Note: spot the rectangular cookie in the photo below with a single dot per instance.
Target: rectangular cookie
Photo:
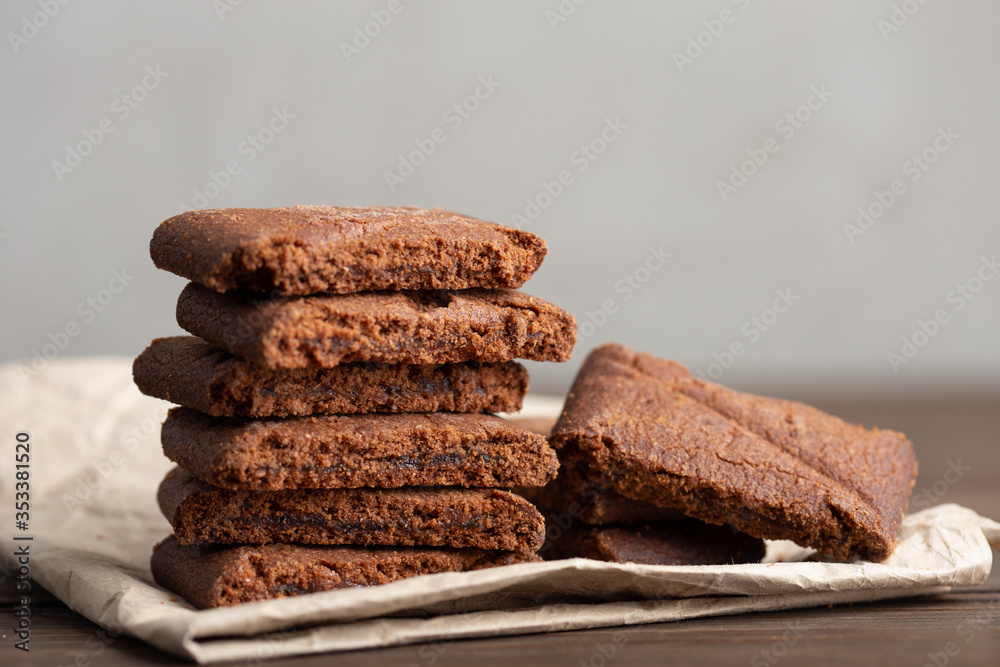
(385, 327)
(353, 451)
(213, 576)
(342, 249)
(686, 542)
(773, 469)
(422, 516)
(195, 374)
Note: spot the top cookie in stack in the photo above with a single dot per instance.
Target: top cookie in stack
(327, 316)
(303, 250)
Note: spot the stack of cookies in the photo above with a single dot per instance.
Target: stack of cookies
(651, 456)
(335, 427)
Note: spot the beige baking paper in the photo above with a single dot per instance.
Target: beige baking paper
(96, 463)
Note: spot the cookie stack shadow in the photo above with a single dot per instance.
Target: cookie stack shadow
(335, 425)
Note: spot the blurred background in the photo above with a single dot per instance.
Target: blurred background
(792, 198)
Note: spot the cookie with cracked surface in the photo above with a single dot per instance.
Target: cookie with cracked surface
(301, 250)
(772, 468)
(424, 327)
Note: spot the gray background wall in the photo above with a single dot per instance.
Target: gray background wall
(886, 94)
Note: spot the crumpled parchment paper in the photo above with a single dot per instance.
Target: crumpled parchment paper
(96, 463)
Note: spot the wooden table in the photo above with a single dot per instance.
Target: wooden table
(911, 632)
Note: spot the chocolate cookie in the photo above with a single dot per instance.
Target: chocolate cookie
(573, 495)
(535, 424)
(687, 542)
(335, 249)
(212, 576)
(772, 468)
(436, 517)
(352, 451)
(193, 373)
(386, 327)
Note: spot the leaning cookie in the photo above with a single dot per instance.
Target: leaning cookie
(426, 516)
(211, 576)
(341, 249)
(648, 430)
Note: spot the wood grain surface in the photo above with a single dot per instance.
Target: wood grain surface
(958, 629)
